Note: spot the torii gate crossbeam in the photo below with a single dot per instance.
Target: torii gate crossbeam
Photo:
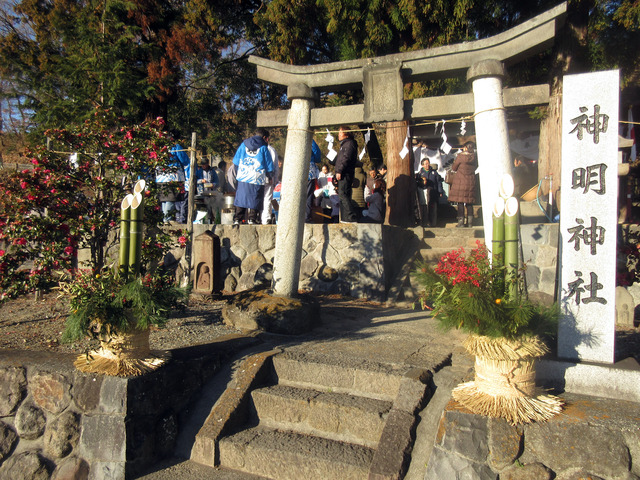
(382, 80)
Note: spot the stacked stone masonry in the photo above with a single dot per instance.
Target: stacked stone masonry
(592, 439)
(357, 260)
(342, 259)
(40, 424)
(58, 423)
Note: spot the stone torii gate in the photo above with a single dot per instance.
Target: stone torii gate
(382, 80)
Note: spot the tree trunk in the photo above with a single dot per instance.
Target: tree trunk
(571, 56)
(400, 184)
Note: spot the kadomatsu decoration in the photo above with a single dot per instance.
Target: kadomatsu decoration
(483, 297)
(117, 305)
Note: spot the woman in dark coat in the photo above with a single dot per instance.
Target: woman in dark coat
(463, 189)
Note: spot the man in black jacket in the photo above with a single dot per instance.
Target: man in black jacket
(345, 167)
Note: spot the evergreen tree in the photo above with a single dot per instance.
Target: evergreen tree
(141, 58)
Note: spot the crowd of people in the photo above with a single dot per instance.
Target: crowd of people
(337, 191)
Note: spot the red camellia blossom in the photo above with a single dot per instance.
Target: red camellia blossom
(182, 240)
(59, 205)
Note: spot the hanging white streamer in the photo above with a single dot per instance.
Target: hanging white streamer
(445, 147)
(329, 138)
(367, 137)
(331, 154)
(463, 127)
(405, 148)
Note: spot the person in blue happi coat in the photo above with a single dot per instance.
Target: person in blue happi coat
(316, 156)
(254, 165)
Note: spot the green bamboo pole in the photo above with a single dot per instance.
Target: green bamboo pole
(125, 216)
(497, 248)
(135, 235)
(511, 245)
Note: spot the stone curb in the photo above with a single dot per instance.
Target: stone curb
(392, 457)
(231, 409)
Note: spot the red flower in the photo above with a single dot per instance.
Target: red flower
(68, 250)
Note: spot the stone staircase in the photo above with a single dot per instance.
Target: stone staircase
(431, 243)
(438, 241)
(318, 417)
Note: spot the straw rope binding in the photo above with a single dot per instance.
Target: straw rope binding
(123, 355)
(504, 385)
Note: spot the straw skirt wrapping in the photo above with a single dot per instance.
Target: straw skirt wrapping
(504, 385)
(122, 354)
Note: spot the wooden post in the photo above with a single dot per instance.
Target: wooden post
(192, 183)
(190, 208)
(400, 184)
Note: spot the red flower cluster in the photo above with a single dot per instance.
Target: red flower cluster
(458, 268)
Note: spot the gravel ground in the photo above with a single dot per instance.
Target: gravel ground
(27, 324)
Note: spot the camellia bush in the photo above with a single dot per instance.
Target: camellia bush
(70, 199)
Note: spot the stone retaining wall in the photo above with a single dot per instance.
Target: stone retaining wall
(58, 423)
(359, 260)
(540, 255)
(592, 438)
(342, 259)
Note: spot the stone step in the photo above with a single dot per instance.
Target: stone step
(340, 375)
(331, 415)
(450, 230)
(292, 456)
(432, 255)
(451, 243)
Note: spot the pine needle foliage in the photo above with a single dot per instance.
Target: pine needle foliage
(465, 292)
(103, 303)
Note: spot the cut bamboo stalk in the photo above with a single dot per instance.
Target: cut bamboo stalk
(511, 245)
(497, 251)
(135, 234)
(125, 217)
(506, 186)
(139, 187)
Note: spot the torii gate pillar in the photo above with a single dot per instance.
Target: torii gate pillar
(290, 231)
(492, 139)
